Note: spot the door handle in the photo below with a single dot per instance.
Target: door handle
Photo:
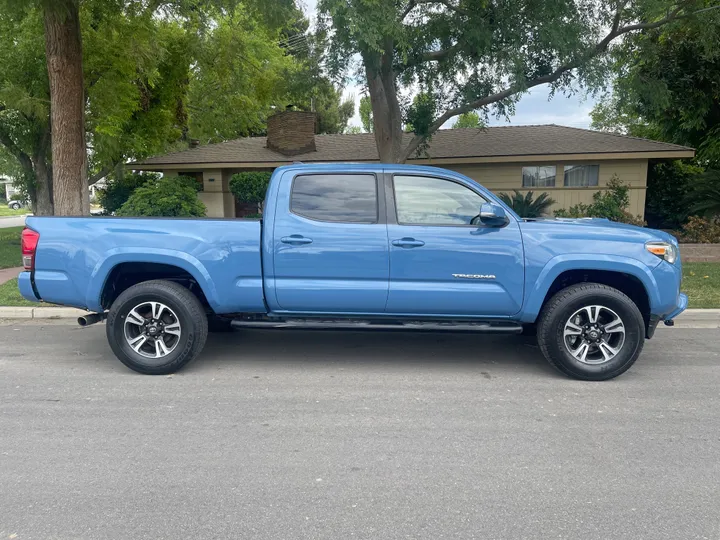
(296, 240)
(408, 243)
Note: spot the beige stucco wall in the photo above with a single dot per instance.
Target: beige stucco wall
(499, 177)
(504, 177)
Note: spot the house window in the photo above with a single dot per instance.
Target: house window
(539, 176)
(581, 175)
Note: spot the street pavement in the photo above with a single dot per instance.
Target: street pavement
(12, 221)
(342, 435)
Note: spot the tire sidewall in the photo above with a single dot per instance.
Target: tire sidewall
(137, 362)
(634, 334)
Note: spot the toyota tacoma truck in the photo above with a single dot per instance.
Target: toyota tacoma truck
(363, 247)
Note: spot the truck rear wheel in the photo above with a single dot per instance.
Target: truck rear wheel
(591, 332)
(156, 327)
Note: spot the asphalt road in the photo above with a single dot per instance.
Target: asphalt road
(13, 221)
(311, 435)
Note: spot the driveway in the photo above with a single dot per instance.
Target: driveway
(341, 435)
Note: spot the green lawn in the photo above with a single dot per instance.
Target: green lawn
(5, 211)
(10, 296)
(10, 256)
(701, 282)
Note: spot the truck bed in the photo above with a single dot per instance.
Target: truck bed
(222, 256)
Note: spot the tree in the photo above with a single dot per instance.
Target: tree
(148, 69)
(366, 114)
(471, 55)
(468, 120)
(63, 52)
(666, 86)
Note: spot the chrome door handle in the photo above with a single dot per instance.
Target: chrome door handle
(408, 243)
(295, 240)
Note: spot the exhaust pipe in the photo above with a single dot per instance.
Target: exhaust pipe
(91, 318)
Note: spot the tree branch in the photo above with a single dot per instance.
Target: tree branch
(12, 147)
(448, 5)
(599, 48)
(411, 5)
(102, 173)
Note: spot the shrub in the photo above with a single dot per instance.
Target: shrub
(168, 197)
(703, 197)
(611, 203)
(668, 187)
(526, 206)
(250, 187)
(118, 190)
(699, 230)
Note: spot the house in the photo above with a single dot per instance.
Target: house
(570, 164)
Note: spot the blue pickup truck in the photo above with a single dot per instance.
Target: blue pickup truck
(362, 246)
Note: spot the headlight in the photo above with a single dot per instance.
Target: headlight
(663, 250)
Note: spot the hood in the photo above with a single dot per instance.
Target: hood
(604, 223)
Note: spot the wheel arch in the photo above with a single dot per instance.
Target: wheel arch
(120, 271)
(631, 277)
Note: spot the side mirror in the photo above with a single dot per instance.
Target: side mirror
(492, 214)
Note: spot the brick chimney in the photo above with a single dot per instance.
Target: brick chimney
(291, 132)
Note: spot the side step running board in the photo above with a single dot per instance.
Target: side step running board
(307, 324)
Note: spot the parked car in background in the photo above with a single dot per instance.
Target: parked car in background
(362, 246)
(17, 205)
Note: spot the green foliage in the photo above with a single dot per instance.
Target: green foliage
(666, 86)
(168, 197)
(250, 187)
(118, 190)
(353, 130)
(366, 114)
(611, 203)
(669, 184)
(468, 120)
(474, 55)
(700, 230)
(527, 206)
(704, 195)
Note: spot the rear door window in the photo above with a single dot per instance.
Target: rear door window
(343, 198)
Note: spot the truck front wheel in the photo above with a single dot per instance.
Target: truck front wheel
(590, 331)
(156, 327)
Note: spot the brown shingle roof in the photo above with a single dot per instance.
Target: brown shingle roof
(447, 143)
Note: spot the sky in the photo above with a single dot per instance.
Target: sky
(533, 108)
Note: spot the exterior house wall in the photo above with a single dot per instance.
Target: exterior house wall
(504, 177)
(498, 177)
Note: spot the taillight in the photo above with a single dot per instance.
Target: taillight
(29, 244)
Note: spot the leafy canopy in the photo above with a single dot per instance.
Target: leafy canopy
(250, 187)
(667, 86)
(476, 55)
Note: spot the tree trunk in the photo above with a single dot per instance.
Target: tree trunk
(43, 187)
(67, 115)
(387, 118)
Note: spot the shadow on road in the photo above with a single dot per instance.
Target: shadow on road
(395, 348)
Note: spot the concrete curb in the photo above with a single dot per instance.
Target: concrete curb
(691, 318)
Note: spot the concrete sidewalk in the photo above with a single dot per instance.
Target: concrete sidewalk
(6, 274)
(691, 318)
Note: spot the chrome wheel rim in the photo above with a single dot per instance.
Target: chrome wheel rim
(152, 329)
(594, 335)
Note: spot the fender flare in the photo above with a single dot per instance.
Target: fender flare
(114, 257)
(536, 292)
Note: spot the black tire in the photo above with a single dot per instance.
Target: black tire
(561, 308)
(15, 206)
(219, 325)
(190, 315)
